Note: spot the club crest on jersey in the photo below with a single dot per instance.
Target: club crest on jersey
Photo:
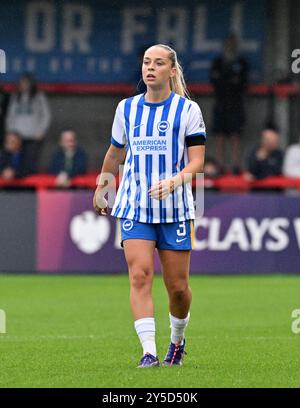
(127, 225)
(163, 126)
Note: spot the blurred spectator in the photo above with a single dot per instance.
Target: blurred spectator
(291, 166)
(29, 115)
(12, 159)
(211, 168)
(228, 75)
(69, 160)
(266, 159)
(4, 98)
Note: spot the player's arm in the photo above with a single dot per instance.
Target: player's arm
(196, 155)
(114, 157)
(195, 143)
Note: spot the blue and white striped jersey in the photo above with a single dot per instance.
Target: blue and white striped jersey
(155, 138)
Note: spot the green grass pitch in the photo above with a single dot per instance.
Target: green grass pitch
(77, 331)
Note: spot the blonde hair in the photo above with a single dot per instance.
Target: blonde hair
(177, 83)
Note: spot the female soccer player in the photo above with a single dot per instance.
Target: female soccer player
(162, 135)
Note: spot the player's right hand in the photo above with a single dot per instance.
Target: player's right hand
(100, 203)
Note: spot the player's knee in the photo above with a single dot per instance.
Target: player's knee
(140, 278)
(179, 291)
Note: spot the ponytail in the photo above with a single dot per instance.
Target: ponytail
(177, 83)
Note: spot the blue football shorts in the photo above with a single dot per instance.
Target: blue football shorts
(177, 236)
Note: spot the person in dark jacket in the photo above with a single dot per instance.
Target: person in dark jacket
(4, 100)
(12, 158)
(266, 159)
(229, 77)
(69, 160)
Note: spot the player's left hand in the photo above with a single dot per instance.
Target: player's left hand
(162, 189)
(100, 203)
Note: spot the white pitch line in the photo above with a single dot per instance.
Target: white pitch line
(54, 337)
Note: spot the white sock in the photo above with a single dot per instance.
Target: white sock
(145, 329)
(177, 328)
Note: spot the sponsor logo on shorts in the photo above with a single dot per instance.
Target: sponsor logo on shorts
(127, 225)
(180, 240)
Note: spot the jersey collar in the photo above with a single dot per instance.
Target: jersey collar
(154, 104)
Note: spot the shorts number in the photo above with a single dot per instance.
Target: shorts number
(182, 230)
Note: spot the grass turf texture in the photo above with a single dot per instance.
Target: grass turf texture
(78, 332)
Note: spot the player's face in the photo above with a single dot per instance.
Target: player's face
(157, 68)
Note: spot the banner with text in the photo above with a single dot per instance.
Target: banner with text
(255, 233)
(100, 42)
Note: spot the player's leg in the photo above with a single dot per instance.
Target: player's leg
(139, 257)
(139, 241)
(174, 245)
(175, 269)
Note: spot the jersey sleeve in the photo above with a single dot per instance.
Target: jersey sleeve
(118, 135)
(195, 132)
